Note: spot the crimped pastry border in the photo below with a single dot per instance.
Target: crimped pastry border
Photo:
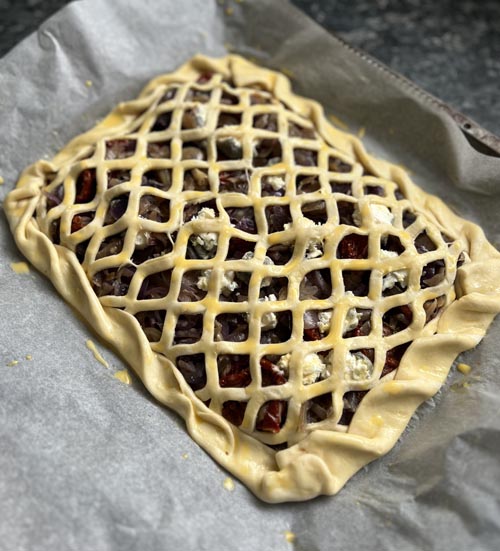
(323, 461)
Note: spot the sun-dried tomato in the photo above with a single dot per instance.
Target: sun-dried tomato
(271, 416)
(353, 246)
(78, 223)
(393, 358)
(271, 374)
(234, 371)
(312, 334)
(407, 313)
(86, 186)
(235, 377)
(234, 411)
(204, 77)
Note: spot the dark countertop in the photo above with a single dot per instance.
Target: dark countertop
(451, 48)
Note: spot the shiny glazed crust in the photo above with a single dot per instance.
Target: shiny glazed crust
(320, 459)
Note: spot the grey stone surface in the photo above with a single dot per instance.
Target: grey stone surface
(451, 47)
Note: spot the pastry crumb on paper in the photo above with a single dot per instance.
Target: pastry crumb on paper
(464, 368)
(97, 355)
(123, 376)
(20, 267)
(228, 484)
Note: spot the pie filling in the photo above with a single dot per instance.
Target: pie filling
(281, 278)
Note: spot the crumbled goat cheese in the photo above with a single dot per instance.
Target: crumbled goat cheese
(398, 276)
(269, 319)
(351, 320)
(283, 363)
(142, 238)
(314, 368)
(358, 366)
(276, 182)
(356, 216)
(314, 249)
(200, 114)
(387, 254)
(390, 279)
(205, 214)
(202, 282)
(324, 321)
(381, 214)
(228, 285)
(206, 240)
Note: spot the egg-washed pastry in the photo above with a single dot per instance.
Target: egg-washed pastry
(292, 297)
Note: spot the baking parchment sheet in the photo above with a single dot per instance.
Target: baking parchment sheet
(87, 462)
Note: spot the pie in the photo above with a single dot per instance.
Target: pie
(292, 297)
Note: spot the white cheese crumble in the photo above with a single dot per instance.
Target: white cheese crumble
(356, 216)
(200, 114)
(387, 254)
(142, 238)
(206, 240)
(269, 319)
(398, 276)
(381, 214)
(283, 363)
(276, 182)
(390, 279)
(324, 321)
(202, 282)
(314, 249)
(205, 214)
(228, 285)
(314, 368)
(351, 320)
(358, 366)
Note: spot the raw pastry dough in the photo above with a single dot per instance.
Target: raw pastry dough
(292, 297)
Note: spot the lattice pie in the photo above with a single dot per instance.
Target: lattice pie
(293, 298)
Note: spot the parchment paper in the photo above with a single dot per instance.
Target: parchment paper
(89, 463)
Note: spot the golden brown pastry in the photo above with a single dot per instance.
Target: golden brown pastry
(292, 297)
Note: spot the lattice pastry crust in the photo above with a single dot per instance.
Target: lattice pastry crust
(258, 269)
